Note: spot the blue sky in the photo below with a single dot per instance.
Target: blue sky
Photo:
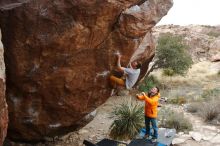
(185, 12)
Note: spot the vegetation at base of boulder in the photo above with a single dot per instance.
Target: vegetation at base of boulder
(128, 120)
(171, 54)
(177, 100)
(168, 72)
(171, 119)
(148, 83)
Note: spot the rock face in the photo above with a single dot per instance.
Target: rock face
(59, 54)
(203, 41)
(3, 105)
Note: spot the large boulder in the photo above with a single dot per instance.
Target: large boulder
(59, 55)
(3, 105)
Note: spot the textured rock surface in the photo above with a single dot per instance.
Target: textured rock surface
(59, 54)
(203, 41)
(10, 4)
(3, 105)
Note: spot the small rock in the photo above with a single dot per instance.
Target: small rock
(83, 131)
(186, 136)
(212, 128)
(196, 136)
(208, 135)
(216, 139)
(178, 141)
(123, 92)
(180, 133)
(90, 139)
(81, 138)
(92, 136)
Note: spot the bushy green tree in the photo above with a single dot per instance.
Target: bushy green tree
(171, 53)
(148, 83)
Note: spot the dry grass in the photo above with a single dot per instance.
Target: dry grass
(213, 34)
(209, 107)
(210, 111)
(199, 74)
(171, 119)
(194, 107)
(178, 100)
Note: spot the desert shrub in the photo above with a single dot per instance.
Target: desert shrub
(210, 110)
(213, 33)
(194, 107)
(128, 120)
(148, 83)
(213, 93)
(218, 73)
(177, 100)
(168, 72)
(171, 119)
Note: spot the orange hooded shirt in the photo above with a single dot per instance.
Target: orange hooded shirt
(151, 104)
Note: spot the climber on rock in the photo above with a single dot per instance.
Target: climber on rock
(131, 74)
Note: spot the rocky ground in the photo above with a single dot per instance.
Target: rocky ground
(203, 134)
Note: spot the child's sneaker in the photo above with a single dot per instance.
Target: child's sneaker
(154, 140)
(148, 137)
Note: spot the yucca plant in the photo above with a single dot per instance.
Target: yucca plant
(128, 120)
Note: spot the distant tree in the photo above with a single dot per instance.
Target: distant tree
(171, 55)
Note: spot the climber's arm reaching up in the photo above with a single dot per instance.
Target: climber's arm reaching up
(119, 63)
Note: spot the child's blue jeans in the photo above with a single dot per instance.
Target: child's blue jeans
(153, 122)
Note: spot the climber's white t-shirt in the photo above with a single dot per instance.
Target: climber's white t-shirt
(132, 77)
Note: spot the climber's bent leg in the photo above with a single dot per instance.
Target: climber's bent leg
(116, 81)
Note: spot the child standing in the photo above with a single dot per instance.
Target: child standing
(151, 103)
